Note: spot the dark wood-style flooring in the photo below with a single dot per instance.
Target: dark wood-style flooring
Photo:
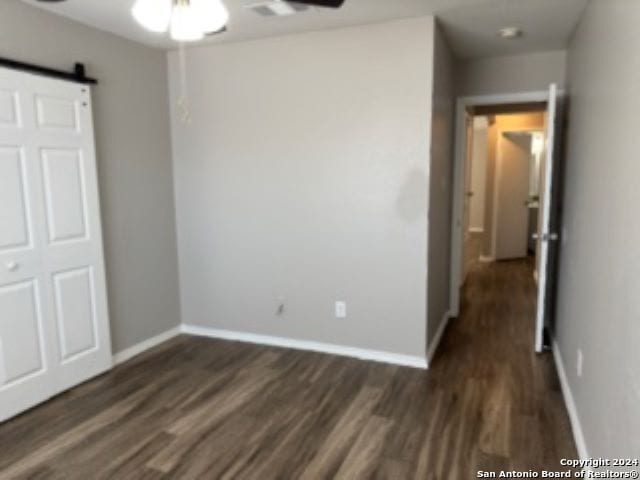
(197, 408)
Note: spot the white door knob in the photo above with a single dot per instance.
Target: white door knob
(12, 266)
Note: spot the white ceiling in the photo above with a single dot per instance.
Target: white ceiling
(470, 25)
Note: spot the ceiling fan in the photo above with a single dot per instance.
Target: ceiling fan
(191, 20)
(317, 3)
(322, 3)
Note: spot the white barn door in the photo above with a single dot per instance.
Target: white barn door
(54, 328)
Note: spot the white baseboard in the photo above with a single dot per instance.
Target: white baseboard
(476, 230)
(363, 354)
(486, 259)
(433, 346)
(576, 427)
(141, 347)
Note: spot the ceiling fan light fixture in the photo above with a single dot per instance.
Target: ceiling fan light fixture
(213, 15)
(186, 20)
(186, 24)
(154, 15)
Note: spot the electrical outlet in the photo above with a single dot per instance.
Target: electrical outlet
(341, 309)
(579, 364)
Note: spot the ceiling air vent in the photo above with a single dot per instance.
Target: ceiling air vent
(276, 8)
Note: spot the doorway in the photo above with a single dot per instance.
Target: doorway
(504, 194)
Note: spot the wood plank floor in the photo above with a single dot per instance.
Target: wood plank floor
(197, 408)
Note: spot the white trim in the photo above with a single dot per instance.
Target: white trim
(476, 229)
(457, 235)
(433, 346)
(363, 354)
(535, 276)
(486, 259)
(576, 427)
(145, 345)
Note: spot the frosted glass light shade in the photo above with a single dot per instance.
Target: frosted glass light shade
(154, 15)
(186, 24)
(187, 20)
(213, 14)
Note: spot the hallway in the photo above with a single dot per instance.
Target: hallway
(513, 394)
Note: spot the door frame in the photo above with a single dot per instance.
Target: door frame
(463, 104)
(496, 183)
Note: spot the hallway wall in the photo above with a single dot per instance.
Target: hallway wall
(598, 307)
(440, 181)
(512, 73)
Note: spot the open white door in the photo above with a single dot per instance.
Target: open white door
(54, 329)
(549, 222)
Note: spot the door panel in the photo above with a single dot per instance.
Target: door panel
(16, 231)
(75, 312)
(57, 114)
(21, 331)
(65, 197)
(9, 108)
(25, 370)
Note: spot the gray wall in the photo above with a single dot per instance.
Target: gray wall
(599, 307)
(440, 180)
(513, 73)
(134, 160)
(304, 175)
